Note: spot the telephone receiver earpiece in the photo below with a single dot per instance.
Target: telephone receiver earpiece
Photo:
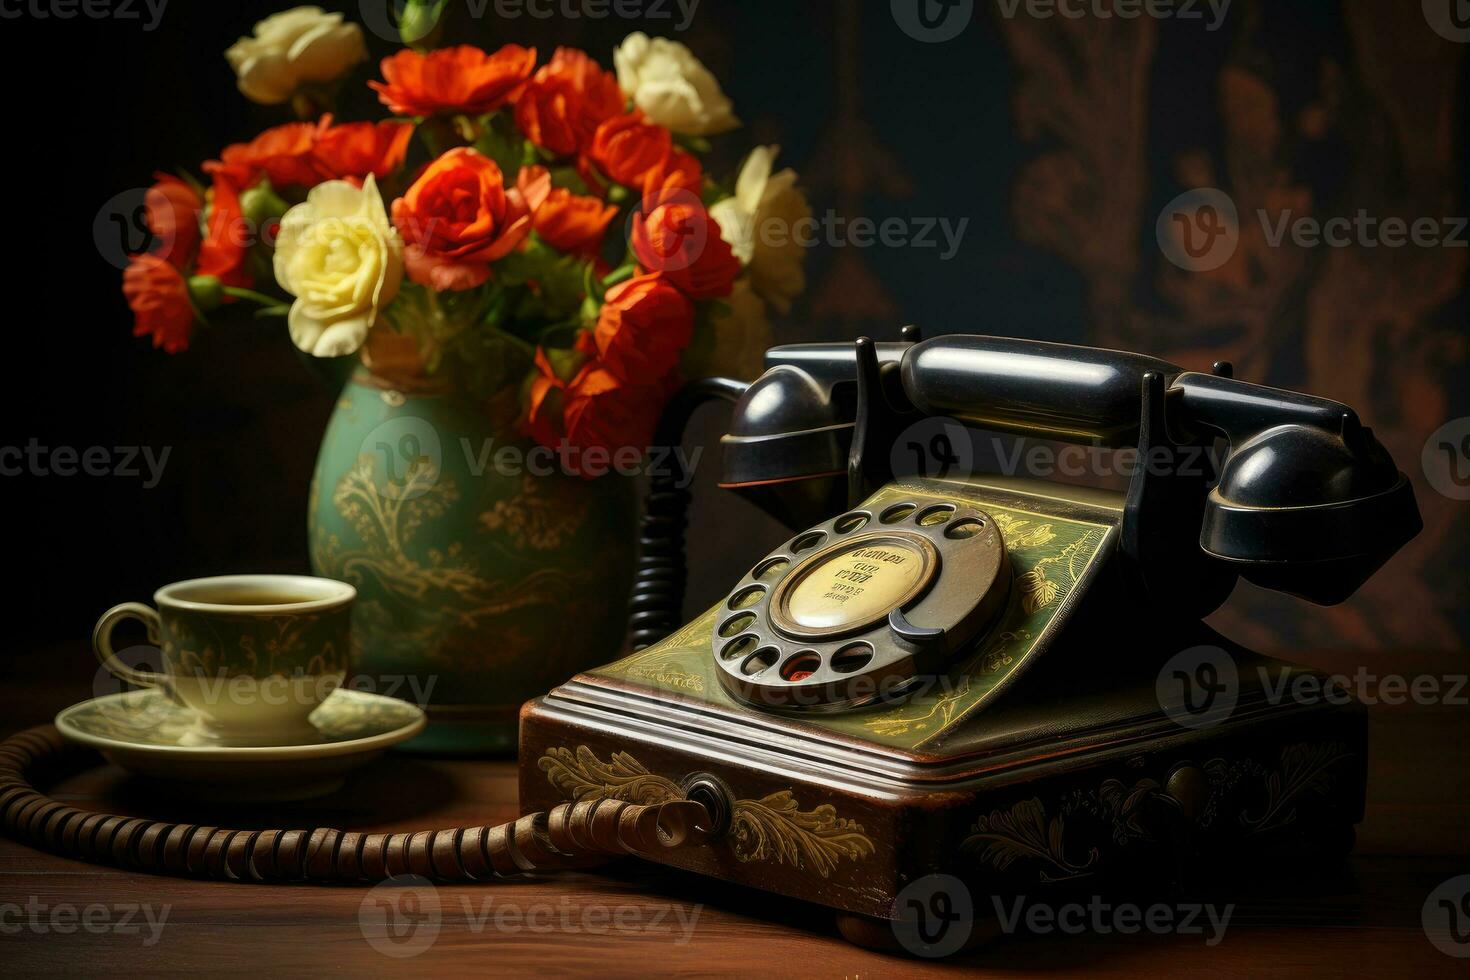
(1307, 501)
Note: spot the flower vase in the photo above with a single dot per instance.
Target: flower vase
(485, 575)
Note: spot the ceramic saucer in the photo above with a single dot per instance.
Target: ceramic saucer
(146, 733)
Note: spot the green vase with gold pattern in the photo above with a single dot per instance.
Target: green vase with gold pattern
(485, 575)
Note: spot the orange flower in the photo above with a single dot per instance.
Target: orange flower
(227, 237)
(159, 298)
(672, 233)
(679, 170)
(627, 147)
(643, 327)
(457, 218)
(459, 79)
(172, 210)
(282, 153)
(595, 418)
(570, 222)
(565, 101)
(354, 150)
(305, 154)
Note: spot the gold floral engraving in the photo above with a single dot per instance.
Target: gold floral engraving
(1037, 590)
(773, 828)
(1025, 832)
(387, 522)
(1022, 534)
(1305, 769)
(545, 515)
(938, 713)
(1115, 813)
(660, 665)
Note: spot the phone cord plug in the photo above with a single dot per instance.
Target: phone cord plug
(570, 835)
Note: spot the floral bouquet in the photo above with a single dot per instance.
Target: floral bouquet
(544, 231)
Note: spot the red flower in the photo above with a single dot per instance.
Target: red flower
(159, 298)
(227, 237)
(354, 150)
(628, 147)
(677, 171)
(457, 218)
(565, 101)
(459, 79)
(570, 222)
(172, 209)
(643, 327)
(595, 419)
(673, 233)
(281, 153)
(305, 154)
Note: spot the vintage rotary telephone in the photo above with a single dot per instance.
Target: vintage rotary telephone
(976, 675)
(1002, 680)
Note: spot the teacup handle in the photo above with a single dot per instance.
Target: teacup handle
(102, 642)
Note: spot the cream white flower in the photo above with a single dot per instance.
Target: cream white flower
(764, 224)
(671, 86)
(343, 261)
(304, 44)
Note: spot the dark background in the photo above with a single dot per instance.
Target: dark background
(1059, 141)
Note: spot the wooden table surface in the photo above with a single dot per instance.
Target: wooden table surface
(632, 919)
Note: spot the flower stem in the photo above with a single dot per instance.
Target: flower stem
(240, 292)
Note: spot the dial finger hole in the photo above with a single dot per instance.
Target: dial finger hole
(738, 647)
(965, 528)
(747, 597)
(758, 661)
(934, 516)
(737, 624)
(808, 541)
(848, 523)
(770, 568)
(854, 656)
(800, 666)
(897, 513)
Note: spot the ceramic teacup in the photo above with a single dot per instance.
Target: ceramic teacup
(251, 655)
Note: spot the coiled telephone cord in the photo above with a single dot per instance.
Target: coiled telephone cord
(571, 835)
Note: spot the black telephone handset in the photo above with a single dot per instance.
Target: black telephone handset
(1307, 501)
